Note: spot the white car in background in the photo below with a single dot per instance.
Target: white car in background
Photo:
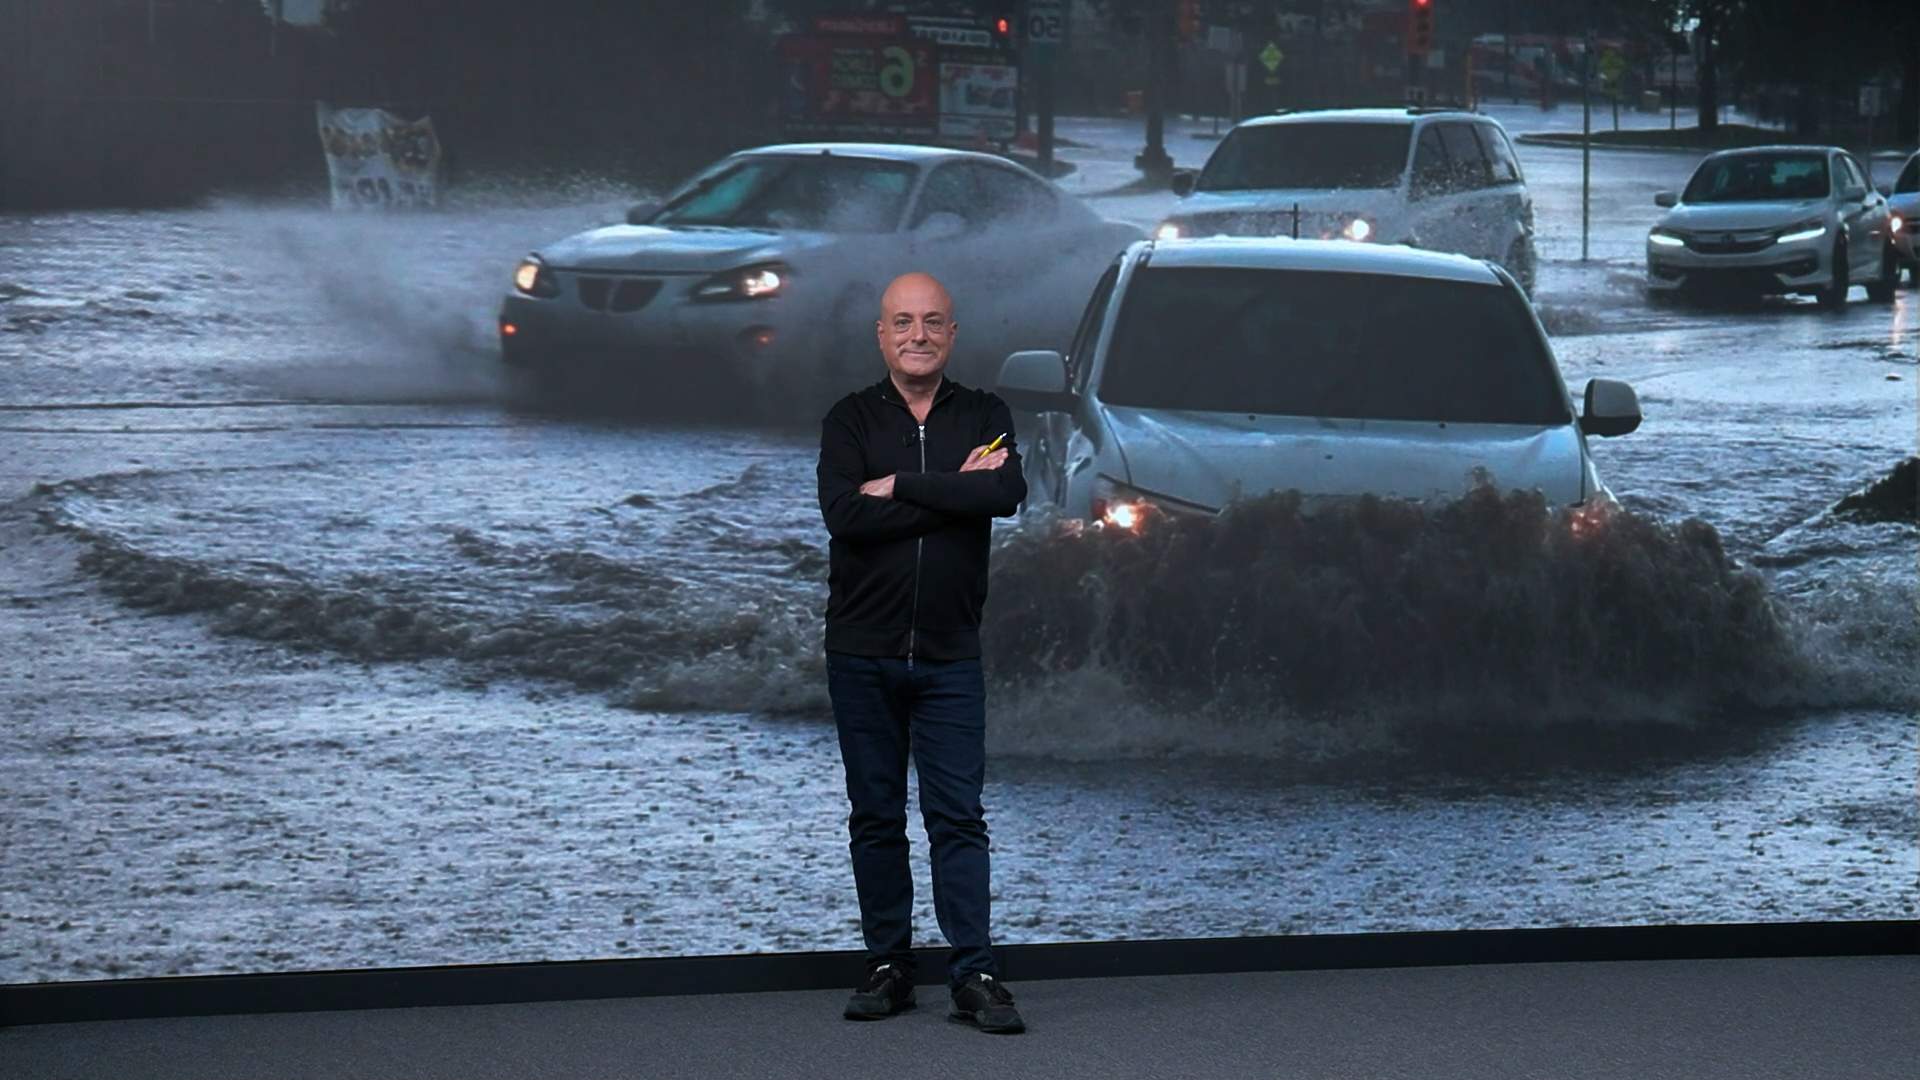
(1903, 200)
(764, 273)
(1204, 370)
(1440, 179)
(1774, 220)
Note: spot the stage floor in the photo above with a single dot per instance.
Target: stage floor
(1851, 1018)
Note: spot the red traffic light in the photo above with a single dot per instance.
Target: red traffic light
(1003, 26)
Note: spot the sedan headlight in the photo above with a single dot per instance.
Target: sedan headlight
(1358, 229)
(1167, 231)
(1664, 237)
(747, 283)
(533, 278)
(1120, 506)
(1810, 229)
(1897, 223)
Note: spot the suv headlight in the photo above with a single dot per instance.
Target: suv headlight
(747, 283)
(1358, 229)
(533, 278)
(1810, 229)
(1662, 236)
(1168, 230)
(1120, 506)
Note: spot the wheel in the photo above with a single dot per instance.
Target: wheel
(1880, 289)
(1520, 263)
(1835, 294)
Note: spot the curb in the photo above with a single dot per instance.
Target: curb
(1574, 142)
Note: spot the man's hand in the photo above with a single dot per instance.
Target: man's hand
(981, 458)
(880, 489)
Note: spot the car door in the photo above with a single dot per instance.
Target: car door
(1054, 431)
(1510, 208)
(1041, 259)
(1004, 266)
(1470, 179)
(1438, 208)
(1865, 212)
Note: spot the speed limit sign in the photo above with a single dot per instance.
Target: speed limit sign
(1046, 22)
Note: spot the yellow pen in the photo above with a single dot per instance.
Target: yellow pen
(995, 444)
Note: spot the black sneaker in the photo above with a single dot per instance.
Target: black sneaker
(981, 1000)
(888, 990)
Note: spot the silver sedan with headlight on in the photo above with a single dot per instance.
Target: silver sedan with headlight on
(1774, 220)
(1206, 370)
(763, 273)
(1903, 199)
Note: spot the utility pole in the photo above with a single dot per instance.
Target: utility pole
(1153, 160)
(1673, 90)
(1506, 46)
(1586, 137)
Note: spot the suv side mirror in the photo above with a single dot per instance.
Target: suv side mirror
(1036, 381)
(1665, 198)
(640, 212)
(1183, 182)
(1611, 408)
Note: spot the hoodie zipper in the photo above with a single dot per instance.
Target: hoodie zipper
(919, 544)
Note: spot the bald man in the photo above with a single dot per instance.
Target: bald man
(912, 471)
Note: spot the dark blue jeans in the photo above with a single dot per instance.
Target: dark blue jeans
(937, 710)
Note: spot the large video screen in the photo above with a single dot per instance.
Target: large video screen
(414, 550)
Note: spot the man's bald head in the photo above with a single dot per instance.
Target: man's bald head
(918, 292)
(916, 327)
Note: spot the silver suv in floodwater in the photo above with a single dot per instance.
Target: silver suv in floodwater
(1440, 179)
(1775, 220)
(1204, 370)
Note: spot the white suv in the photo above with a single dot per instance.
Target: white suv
(1442, 179)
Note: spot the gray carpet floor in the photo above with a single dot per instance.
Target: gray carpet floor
(1808, 1019)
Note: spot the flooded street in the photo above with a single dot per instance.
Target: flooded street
(325, 652)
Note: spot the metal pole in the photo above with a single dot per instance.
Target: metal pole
(1045, 72)
(1586, 143)
(1506, 48)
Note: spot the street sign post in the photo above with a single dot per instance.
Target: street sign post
(1043, 30)
(1270, 58)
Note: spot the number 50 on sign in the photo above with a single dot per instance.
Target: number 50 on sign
(1046, 22)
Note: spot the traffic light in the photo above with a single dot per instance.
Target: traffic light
(1419, 27)
(1001, 23)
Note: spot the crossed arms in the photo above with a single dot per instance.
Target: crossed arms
(907, 505)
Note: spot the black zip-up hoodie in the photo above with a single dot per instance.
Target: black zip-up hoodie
(908, 575)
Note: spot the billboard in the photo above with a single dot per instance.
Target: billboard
(379, 161)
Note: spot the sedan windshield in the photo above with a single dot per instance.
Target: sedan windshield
(1308, 156)
(1356, 346)
(828, 194)
(1758, 178)
(1909, 177)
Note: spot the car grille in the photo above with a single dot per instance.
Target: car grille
(618, 296)
(1730, 243)
(1266, 223)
